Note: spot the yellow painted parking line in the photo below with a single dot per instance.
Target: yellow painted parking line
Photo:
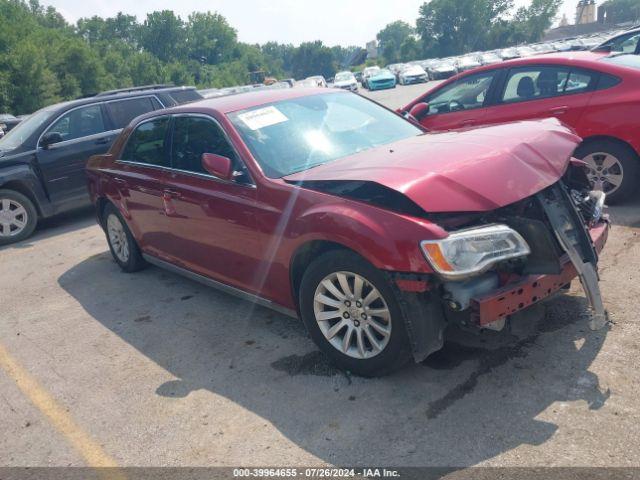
(92, 453)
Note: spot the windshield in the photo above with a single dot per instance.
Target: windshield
(25, 129)
(298, 134)
(343, 77)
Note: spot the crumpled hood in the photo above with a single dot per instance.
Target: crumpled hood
(471, 170)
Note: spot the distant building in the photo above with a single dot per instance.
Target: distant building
(372, 49)
(585, 12)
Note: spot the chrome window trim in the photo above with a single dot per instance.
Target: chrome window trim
(51, 124)
(170, 169)
(95, 136)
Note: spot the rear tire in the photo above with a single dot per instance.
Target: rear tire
(123, 247)
(358, 325)
(18, 217)
(612, 162)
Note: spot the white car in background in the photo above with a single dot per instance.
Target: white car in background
(318, 79)
(412, 74)
(346, 81)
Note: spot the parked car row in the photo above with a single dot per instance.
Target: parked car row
(443, 68)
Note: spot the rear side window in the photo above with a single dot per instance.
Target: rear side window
(147, 143)
(123, 111)
(184, 96)
(607, 81)
(532, 83)
(193, 136)
(78, 123)
(579, 81)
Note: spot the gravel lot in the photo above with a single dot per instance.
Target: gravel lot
(153, 369)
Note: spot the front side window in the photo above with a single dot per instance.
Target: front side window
(78, 123)
(193, 136)
(465, 94)
(147, 143)
(297, 134)
(123, 111)
(533, 83)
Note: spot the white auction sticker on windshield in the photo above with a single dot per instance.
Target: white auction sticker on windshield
(262, 117)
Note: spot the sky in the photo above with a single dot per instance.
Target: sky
(335, 22)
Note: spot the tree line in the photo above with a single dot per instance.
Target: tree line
(44, 59)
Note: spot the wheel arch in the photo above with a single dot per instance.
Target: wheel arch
(303, 257)
(607, 138)
(21, 187)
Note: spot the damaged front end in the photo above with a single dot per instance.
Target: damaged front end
(555, 236)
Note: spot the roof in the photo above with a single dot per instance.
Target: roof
(108, 96)
(241, 101)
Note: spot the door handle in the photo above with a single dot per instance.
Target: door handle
(120, 181)
(559, 110)
(103, 141)
(468, 123)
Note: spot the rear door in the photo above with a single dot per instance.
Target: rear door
(85, 132)
(543, 91)
(139, 179)
(460, 104)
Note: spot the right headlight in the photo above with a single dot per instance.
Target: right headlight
(469, 252)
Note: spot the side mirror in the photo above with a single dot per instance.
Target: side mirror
(217, 165)
(419, 110)
(50, 138)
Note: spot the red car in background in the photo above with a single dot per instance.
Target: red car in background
(596, 94)
(328, 206)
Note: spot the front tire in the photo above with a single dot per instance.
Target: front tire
(123, 247)
(18, 217)
(352, 315)
(613, 168)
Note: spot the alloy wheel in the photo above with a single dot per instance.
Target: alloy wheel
(118, 238)
(13, 218)
(352, 315)
(605, 171)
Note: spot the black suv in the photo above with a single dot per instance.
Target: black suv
(42, 160)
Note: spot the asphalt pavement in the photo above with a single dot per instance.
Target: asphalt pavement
(101, 368)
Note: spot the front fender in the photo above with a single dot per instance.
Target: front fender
(29, 183)
(388, 240)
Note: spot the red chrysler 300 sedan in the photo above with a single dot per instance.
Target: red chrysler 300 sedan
(596, 94)
(325, 205)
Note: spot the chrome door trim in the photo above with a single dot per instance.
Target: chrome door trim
(220, 286)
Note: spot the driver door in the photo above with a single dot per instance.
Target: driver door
(459, 104)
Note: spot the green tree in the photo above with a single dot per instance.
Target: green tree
(32, 83)
(391, 38)
(452, 27)
(618, 11)
(313, 58)
(163, 35)
(410, 49)
(210, 38)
